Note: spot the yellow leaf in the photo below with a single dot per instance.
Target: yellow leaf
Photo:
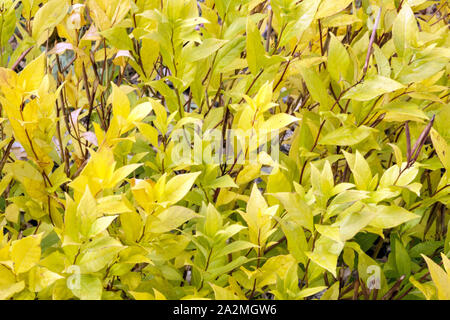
(440, 279)
(311, 291)
(87, 211)
(47, 17)
(120, 174)
(31, 77)
(12, 213)
(120, 102)
(131, 224)
(159, 295)
(328, 8)
(278, 121)
(397, 153)
(25, 253)
(223, 293)
(141, 295)
(442, 148)
(332, 293)
(8, 291)
(372, 87)
(277, 265)
(326, 253)
(427, 290)
(405, 31)
(40, 278)
(248, 173)
(391, 216)
(140, 112)
(170, 219)
(177, 187)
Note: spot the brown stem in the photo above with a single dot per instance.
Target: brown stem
(6, 154)
(21, 57)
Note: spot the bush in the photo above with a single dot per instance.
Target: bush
(224, 149)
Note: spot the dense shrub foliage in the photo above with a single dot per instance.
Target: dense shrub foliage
(134, 163)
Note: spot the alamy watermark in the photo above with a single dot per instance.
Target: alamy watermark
(374, 280)
(74, 280)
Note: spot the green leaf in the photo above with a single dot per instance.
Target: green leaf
(405, 31)
(372, 87)
(427, 248)
(310, 291)
(360, 169)
(401, 111)
(296, 239)
(255, 48)
(346, 136)
(442, 148)
(306, 12)
(222, 182)
(8, 23)
(402, 259)
(326, 253)
(89, 288)
(118, 38)
(228, 57)
(213, 221)
(383, 66)
(391, 216)
(339, 65)
(234, 247)
(329, 8)
(236, 263)
(204, 50)
(131, 224)
(99, 254)
(316, 87)
(421, 69)
(171, 218)
(47, 17)
(298, 210)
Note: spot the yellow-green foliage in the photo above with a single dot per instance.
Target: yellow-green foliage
(99, 97)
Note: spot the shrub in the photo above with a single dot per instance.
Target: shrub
(224, 149)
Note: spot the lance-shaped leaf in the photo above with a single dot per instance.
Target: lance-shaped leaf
(171, 219)
(441, 278)
(177, 187)
(405, 31)
(372, 87)
(391, 216)
(442, 148)
(346, 136)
